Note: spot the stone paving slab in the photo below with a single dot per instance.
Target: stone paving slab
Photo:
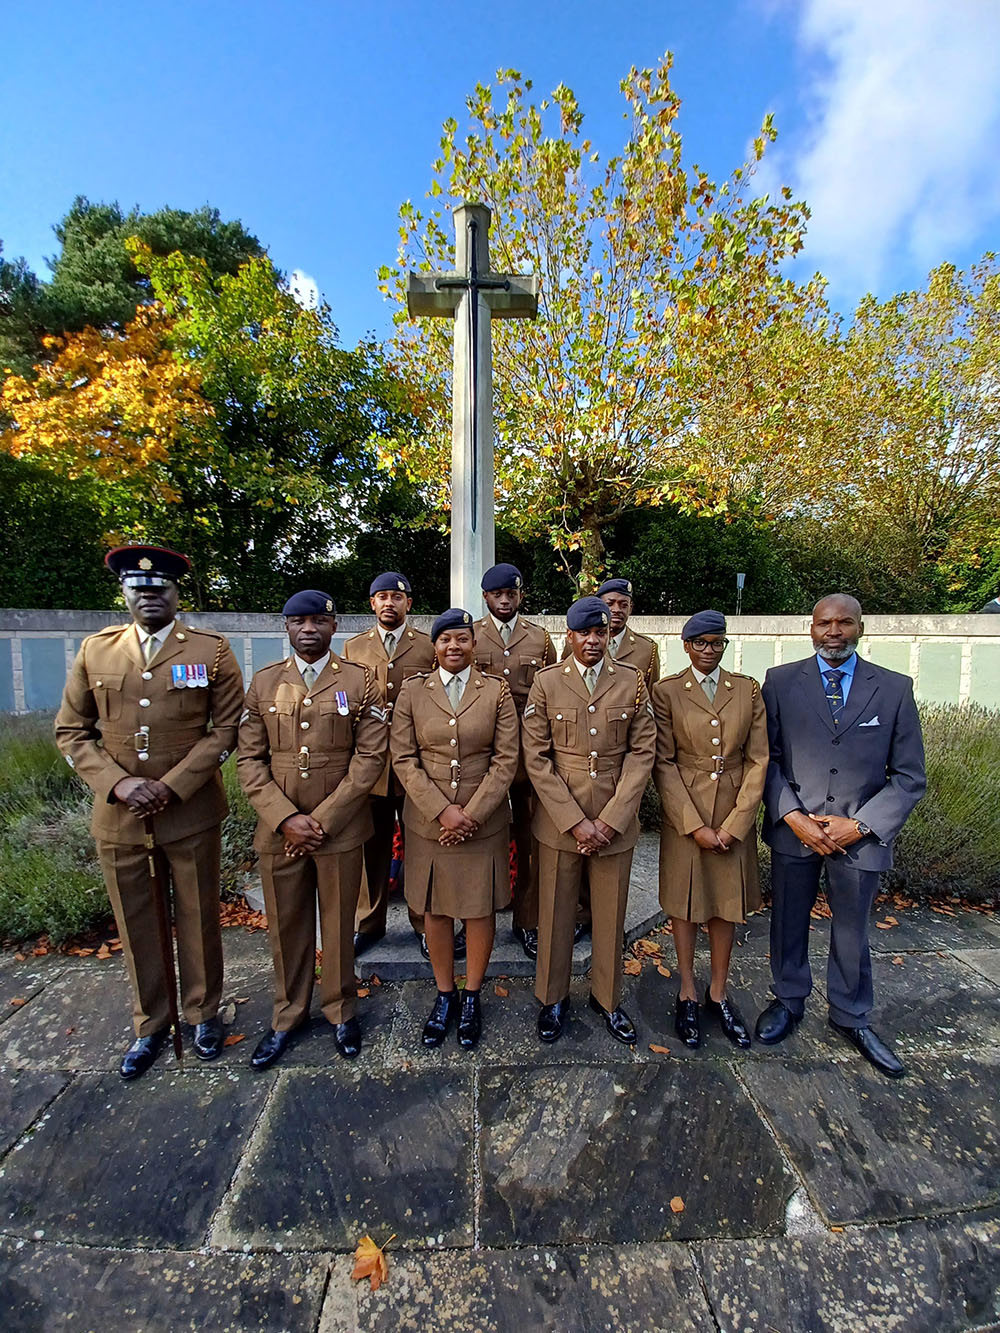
(578, 1154)
(929, 999)
(986, 961)
(622, 1289)
(910, 1279)
(46, 1287)
(80, 1020)
(874, 1149)
(143, 1164)
(21, 982)
(23, 1096)
(337, 1157)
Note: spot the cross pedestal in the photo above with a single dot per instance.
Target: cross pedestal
(472, 296)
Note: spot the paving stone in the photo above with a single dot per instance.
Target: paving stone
(54, 1286)
(986, 961)
(911, 1279)
(928, 999)
(337, 1157)
(639, 1289)
(20, 983)
(142, 1164)
(577, 1154)
(80, 1020)
(23, 1095)
(872, 1149)
(923, 928)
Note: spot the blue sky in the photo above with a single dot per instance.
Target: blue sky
(312, 122)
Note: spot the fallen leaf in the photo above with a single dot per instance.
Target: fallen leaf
(116, 946)
(18, 1000)
(104, 952)
(632, 967)
(659, 1050)
(241, 999)
(836, 1228)
(69, 1032)
(677, 1204)
(375, 982)
(41, 951)
(648, 947)
(363, 992)
(85, 953)
(19, 957)
(892, 921)
(883, 925)
(663, 971)
(370, 1262)
(235, 1038)
(228, 1014)
(502, 991)
(898, 960)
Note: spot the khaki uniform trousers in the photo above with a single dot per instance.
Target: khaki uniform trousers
(190, 866)
(291, 886)
(373, 901)
(559, 876)
(522, 805)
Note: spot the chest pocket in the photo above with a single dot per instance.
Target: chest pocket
(279, 718)
(189, 704)
(562, 724)
(618, 722)
(336, 730)
(107, 688)
(526, 668)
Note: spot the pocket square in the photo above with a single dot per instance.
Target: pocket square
(872, 722)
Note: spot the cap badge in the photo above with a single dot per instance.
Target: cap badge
(329, 604)
(517, 581)
(145, 563)
(466, 618)
(401, 585)
(604, 620)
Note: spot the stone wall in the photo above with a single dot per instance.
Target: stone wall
(952, 659)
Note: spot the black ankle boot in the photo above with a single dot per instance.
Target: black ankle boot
(470, 1022)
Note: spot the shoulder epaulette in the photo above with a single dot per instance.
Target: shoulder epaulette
(552, 666)
(108, 629)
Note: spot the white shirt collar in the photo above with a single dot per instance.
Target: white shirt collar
(463, 675)
(700, 677)
(584, 669)
(399, 631)
(500, 623)
(160, 635)
(316, 666)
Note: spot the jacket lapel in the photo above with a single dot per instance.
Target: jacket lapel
(692, 688)
(471, 692)
(129, 643)
(574, 680)
(328, 678)
(724, 690)
(812, 683)
(604, 681)
(863, 686)
(436, 691)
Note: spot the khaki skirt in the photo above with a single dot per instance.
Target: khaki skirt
(696, 885)
(467, 881)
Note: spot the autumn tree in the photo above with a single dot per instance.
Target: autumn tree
(645, 266)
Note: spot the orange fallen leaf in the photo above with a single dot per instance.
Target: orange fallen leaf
(659, 1050)
(663, 971)
(18, 1000)
(104, 952)
(19, 957)
(648, 947)
(677, 1204)
(375, 982)
(41, 951)
(370, 1262)
(116, 946)
(898, 961)
(892, 921)
(502, 991)
(69, 1032)
(883, 925)
(632, 967)
(235, 1038)
(363, 991)
(836, 1228)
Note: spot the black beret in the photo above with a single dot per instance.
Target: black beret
(390, 581)
(615, 585)
(309, 602)
(704, 622)
(586, 613)
(146, 565)
(502, 576)
(453, 618)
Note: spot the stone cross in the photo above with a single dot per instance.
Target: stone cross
(473, 297)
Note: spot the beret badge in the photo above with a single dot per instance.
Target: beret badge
(145, 563)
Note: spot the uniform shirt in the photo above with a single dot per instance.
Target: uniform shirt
(316, 666)
(713, 676)
(399, 631)
(447, 677)
(846, 680)
(160, 637)
(584, 669)
(511, 624)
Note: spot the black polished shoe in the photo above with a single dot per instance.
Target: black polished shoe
(365, 940)
(775, 1023)
(141, 1054)
(686, 1022)
(730, 1020)
(441, 1016)
(528, 940)
(425, 952)
(551, 1019)
(460, 943)
(347, 1037)
(270, 1048)
(617, 1022)
(208, 1039)
(470, 1021)
(579, 930)
(874, 1049)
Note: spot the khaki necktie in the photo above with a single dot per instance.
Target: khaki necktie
(615, 645)
(505, 632)
(590, 679)
(708, 685)
(309, 675)
(454, 691)
(149, 648)
(390, 645)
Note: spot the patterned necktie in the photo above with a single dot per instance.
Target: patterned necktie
(309, 675)
(834, 694)
(454, 691)
(390, 645)
(505, 633)
(708, 685)
(590, 679)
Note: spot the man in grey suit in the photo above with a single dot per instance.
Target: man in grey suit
(847, 767)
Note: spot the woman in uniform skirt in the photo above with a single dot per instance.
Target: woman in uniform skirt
(454, 744)
(711, 761)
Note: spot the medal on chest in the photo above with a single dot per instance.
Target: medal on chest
(343, 708)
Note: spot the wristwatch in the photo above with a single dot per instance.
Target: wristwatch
(863, 830)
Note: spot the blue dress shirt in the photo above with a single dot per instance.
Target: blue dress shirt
(846, 680)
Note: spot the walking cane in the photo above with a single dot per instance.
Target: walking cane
(166, 940)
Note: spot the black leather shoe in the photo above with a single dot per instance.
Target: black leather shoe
(470, 1021)
(579, 930)
(775, 1023)
(141, 1054)
(460, 943)
(528, 940)
(425, 952)
(551, 1019)
(347, 1037)
(270, 1048)
(874, 1049)
(208, 1039)
(686, 1022)
(730, 1020)
(441, 1016)
(617, 1022)
(365, 940)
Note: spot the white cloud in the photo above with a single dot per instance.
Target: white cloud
(304, 289)
(901, 159)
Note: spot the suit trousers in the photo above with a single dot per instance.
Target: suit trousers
(522, 805)
(373, 903)
(559, 875)
(291, 887)
(190, 867)
(850, 893)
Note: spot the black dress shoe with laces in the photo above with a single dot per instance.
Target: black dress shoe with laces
(617, 1022)
(270, 1048)
(775, 1023)
(874, 1049)
(347, 1037)
(528, 940)
(208, 1039)
(365, 940)
(686, 1023)
(441, 1018)
(141, 1054)
(552, 1019)
(470, 1021)
(730, 1020)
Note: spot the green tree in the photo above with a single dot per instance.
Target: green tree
(20, 322)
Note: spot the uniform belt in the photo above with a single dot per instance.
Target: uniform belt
(163, 736)
(475, 767)
(291, 759)
(587, 764)
(705, 763)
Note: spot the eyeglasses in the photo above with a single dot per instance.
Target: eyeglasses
(703, 645)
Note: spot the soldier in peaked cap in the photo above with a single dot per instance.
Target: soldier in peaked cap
(394, 650)
(513, 648)
(134, 723)
(312, 741)
(624, 644)
(588, 738)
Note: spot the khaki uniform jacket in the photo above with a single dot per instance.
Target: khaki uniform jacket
(413, 655)
(300, 753)
(116, 708)
(588, 756)
(637, 650)
(529, 649)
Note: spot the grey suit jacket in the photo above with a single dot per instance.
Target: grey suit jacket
(870, 766)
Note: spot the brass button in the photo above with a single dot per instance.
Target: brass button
(506, 671)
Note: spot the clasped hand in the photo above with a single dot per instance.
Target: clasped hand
(713, 839)
(591, 835)
(303, 835)
(143, 796)
(828, 835)
(456, 826)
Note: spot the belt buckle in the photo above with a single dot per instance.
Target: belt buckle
(304, 761)
(140, 739)
(456, 774)
(720, 764)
